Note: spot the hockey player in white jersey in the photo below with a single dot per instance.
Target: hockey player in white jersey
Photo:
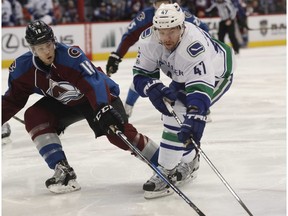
(41, 10)
(201, 69)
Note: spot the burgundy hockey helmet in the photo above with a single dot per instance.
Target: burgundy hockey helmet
(38, 32)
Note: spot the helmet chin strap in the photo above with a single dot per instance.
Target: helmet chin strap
(182, 33)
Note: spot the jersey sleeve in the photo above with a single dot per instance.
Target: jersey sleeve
(142, 21)
(196, 21)
(91, 81)
(18, 90)
(146, 66)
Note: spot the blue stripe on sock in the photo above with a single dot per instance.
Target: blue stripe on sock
(52, 154)
(132, 97)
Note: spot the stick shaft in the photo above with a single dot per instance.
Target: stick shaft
(169, 107)
(152, 166)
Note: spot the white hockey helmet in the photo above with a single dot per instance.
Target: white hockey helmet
(168, 16)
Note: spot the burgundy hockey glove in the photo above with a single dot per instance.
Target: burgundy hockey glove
(113, 63)
(109, 118)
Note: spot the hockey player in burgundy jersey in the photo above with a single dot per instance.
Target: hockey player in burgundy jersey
(142, 21)
(73, 89)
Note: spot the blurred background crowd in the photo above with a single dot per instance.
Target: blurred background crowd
(20, 12)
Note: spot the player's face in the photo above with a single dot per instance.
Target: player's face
(170, 37)
(45, 51)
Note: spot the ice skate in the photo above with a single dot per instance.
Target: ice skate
(186, 172)
(128, 110)
(63, 180)
(155, 187)
(6, 131)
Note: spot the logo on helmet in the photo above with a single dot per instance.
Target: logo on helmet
(38, 32)
(168, 16)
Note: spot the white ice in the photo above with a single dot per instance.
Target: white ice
(246, 142)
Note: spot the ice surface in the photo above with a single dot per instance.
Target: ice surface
(246, 142)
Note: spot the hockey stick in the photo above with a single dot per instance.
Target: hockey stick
(152, 166)
(170, 109)
(18, 119)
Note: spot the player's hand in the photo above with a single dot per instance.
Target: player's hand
(157, 92)
(192, 127)
(113, 63)
(109, 119)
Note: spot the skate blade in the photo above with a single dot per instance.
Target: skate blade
(158, 194)
(60, 189)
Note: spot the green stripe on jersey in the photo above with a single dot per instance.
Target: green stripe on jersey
(170, 136)
(200, 87)
(155, 74)
(218, 90)
(228, 50)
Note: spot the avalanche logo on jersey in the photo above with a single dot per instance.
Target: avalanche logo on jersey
(141, 16)
(187, 14)
(63, 91)
(74, 53)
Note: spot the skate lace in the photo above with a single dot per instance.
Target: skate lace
(188, 168)
(156, 179)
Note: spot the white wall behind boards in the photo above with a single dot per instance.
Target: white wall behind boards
(99, 39)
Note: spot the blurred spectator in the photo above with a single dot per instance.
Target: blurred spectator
(116, 12)
(41, 9)
(281, 6)
(102, 13)
(267, 6)
(197, 7)
(17, 11)
(132, 7)
(7, 15)
(57, 8)
(252, 7)
(66, 11)
(70, 14)
(136, 6)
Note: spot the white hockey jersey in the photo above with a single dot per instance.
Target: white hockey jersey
(40, 9)
(6, 13)
(197, 64)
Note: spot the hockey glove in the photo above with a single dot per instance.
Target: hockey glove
(156, 92)
(192, 127)
(113, 63)
(109, 119)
